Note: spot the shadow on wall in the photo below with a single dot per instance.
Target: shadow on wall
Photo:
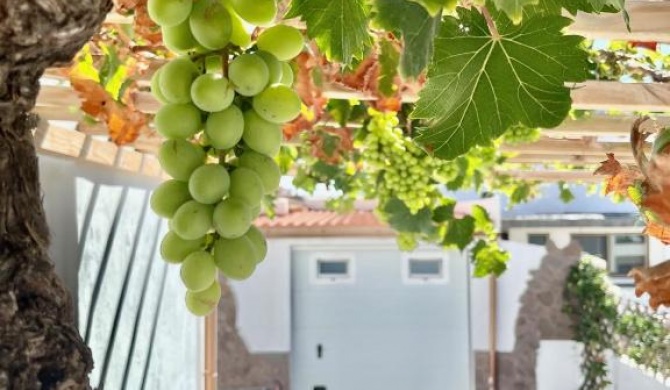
(540, 318)
(238, 369)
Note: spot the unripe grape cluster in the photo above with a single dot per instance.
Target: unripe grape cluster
(221, 116)
(403, 170)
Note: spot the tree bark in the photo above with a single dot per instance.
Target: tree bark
(40, 347)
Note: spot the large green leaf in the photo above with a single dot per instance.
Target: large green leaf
(401, 218)
(459, 232)
(339, 27)
(478, 85)
(418, 30)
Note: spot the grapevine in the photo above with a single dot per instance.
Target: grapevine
(224, 100)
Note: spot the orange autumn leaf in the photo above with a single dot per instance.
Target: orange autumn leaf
(123, 122)
(659, 203)
(620, 177)
(661, 232)
(654, 281)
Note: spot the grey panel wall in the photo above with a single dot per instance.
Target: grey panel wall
(130, 303)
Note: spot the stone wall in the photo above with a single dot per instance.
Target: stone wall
(540, 318)
(237, 367)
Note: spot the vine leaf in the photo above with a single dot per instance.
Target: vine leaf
(654, 281)
(388, 68)
(513, 8)
(478, 86)
(401, 218)
(489, 259)
(418, 29)
(459, 232)
(338, 27)
(435, 6)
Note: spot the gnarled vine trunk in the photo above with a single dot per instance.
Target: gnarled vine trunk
(40, 347)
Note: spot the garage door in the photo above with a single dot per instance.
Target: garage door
(372, 318)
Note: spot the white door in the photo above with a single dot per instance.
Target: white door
(369, 319)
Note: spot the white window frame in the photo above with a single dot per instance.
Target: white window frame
(425, 255)
(347, 257)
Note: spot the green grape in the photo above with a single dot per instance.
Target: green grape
(232, 218)
(274, 66)
(224, 129)
(180, 158)
(192, 220)
(174, 249)
(169, 12)
(249, 74)
(168, 197)
(178, 121)
(176, 78)
(258, 242)
(286, 75)
(277, 104)
(235, 258)
(246, 186)
(211, 24)
(204, 302)
(211, 93)
(260, 135)
(257, 12)
(285, 42)
(179, 38)
(239, 35)
(198, 271)
(209, 183)
(265, 167)
(406, 242)
(156, 88)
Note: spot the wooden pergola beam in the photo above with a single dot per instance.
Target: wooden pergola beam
(529, 158)
(649, 21)
(555, 176)
(569, 148)
(590, 95)
(604, 126)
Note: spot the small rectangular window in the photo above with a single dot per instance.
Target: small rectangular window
(538, 239)
(623, 264)
(595, 245)
(624, 239)
(333, 268)
(330, 268)
(425, 268)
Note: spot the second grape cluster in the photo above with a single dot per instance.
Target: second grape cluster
(222, 110)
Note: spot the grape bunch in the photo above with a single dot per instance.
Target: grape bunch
(224, 99)
(401, 169)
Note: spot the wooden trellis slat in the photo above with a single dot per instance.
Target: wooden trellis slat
(555, 176)
(649, 21)
(590, 95)
(569, 147)
(530, 158)
(604, 126)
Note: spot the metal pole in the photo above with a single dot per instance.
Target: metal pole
(493, 332)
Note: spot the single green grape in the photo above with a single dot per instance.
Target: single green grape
(265, 167)
(211, 24)
(175, 80)
(257, 12)
(246, 186)
(232, 218)
(274, 66)
(201, 303)
(286, 75)
(192, 220)
(169, 13)
(224, 129)
(249, 74)
(209, 183)
(277, 104)
(175, 121)
(258, 242)
(179, 38)
(260, 135)
(198, 271)
(168, 197)
(211, 93)
(235, 258)
(174, 249)
(180, 158)
(285, 42)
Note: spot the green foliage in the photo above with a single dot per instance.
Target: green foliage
(594, 311)
(389, 58)
(479, 84)
(340, 28)
(602, 324)
(417, 28)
